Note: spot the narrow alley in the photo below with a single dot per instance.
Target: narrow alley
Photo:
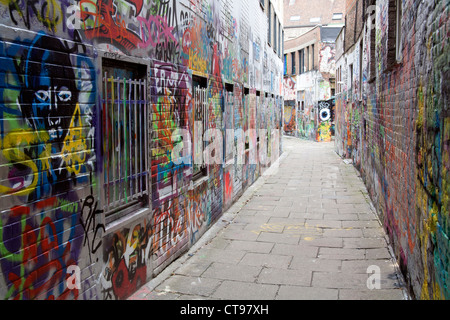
(304, 230)
(225, 150)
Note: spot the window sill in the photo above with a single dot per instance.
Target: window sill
(121, 222)
(199, 181)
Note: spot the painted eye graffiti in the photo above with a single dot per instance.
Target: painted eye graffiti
(325, 114)
(42, 95)
(65, 95)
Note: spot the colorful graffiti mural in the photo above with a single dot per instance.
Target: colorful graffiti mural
(326, 120)
(47, 152)
(62, 119)
(396, 131)
(327, 60)
(127, 253)
(289, 87)
(289, 119)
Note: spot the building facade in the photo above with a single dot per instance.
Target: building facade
(309, 73)
(310, 84)
(126, 129)
(300, 15)
(393, 121)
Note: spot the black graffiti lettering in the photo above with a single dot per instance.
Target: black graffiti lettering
(43, 11)
(113, 55)
(77, 44)
(167, 51)
(90, 211)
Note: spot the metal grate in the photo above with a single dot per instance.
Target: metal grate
(200, 127)
(125, 144)
(229, 125)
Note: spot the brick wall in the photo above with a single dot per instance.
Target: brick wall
(323, 9)
(97, 143)
(302, 42)
(397, 132)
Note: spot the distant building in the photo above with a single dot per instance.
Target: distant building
(300, 15)
(310, 67)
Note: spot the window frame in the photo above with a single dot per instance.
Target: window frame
(350, 78)
(334, 17)
(308, 58)
(275, 42)
(269, 32)
(203, 86)
(301, 58)
(113, 217)
(285, 64)
(398, 30)
(293, 69)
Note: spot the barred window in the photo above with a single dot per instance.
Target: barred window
(125, 125)
(200, 125)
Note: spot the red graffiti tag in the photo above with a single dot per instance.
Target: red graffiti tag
(37, 244)
(109, 27)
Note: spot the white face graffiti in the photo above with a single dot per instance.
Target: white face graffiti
(46, 109)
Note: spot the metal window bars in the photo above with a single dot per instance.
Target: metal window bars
(125, 144)
(200, 127)
(229, 125)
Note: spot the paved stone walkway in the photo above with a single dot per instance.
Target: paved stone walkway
(305, 230)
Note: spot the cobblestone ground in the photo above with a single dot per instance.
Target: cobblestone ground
(305, 230)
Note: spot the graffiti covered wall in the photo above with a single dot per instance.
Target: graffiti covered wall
(290, 108)
(100, 122)
(325, 120)
(393, 120)
(311, 91)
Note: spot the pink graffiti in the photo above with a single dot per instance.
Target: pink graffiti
(158, 29)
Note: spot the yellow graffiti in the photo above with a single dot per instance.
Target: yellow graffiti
(429, 228)
(73, 153)
(13, 152)
(74, 149)
(196, 62)
(429, 210)
(324, 132)
(48, 12)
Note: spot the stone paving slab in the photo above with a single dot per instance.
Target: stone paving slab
(316, 264)
(382, 294)
(304, 231)
(189, 285)
(269, 260)
(225, 271)
(338, 280)
(307, 293)
(295, 250)
(285, 277)
(251, 246)
(233, 290)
